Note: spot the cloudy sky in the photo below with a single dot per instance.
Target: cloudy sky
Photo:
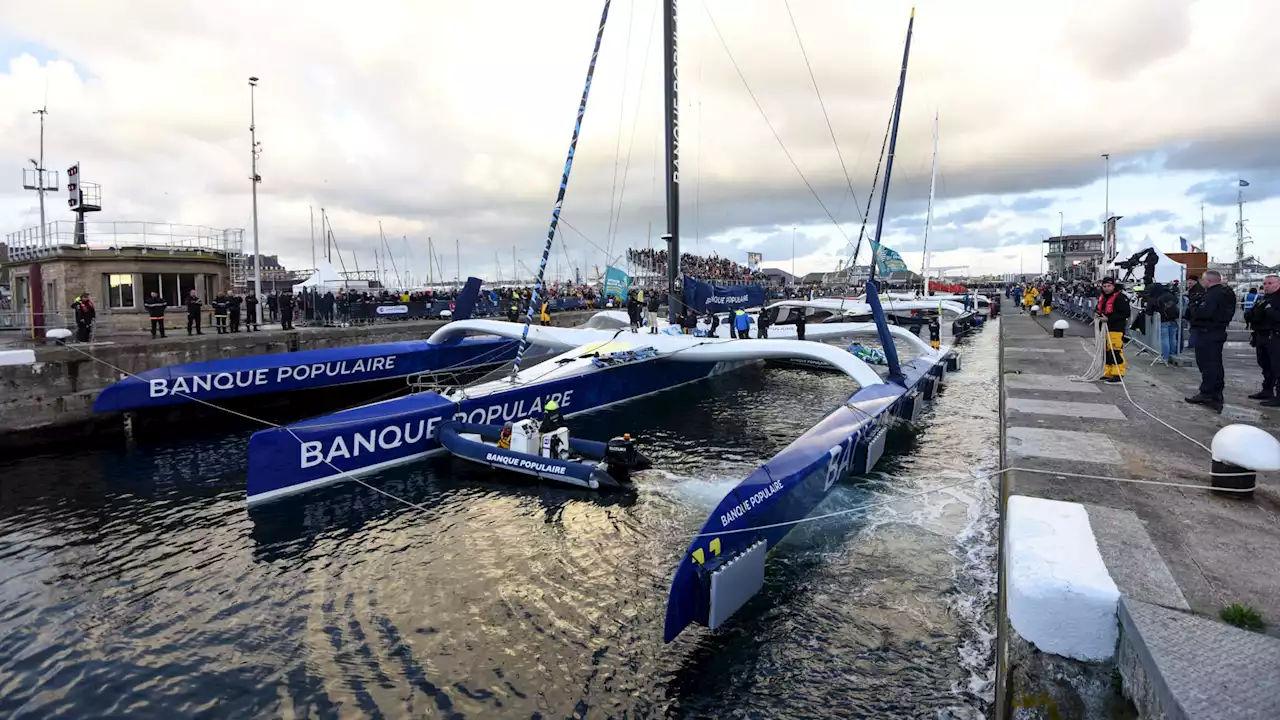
(450, 121)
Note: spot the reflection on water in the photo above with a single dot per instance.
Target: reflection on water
(139, 584)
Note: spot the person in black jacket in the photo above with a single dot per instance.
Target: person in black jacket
(250, 312)
(273, 304)
(234, 305)
(193, 313)
(800, 321)
(1264, 319)
(85, 316)
(285, 304)
(1210, 314)
(634, 306)
(654, 300)
(155, 306)
(1113, 306)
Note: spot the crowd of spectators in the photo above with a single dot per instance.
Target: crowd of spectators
(711, 268)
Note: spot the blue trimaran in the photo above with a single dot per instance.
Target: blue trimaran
(603, 364)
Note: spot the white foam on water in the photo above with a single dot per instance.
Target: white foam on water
(977, 580)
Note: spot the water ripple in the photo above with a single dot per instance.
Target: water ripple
(138, 583)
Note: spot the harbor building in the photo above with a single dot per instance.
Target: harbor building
(119, 264)
(1074, 256)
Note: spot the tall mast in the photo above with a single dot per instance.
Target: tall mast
(873, 299)
(1239, 232)
(933, 178)
(671, 87)
(564, 183)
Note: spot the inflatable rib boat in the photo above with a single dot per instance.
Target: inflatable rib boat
(552, 456)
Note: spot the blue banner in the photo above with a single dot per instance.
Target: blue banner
(616, 283)
(704, 297)
(888, 261)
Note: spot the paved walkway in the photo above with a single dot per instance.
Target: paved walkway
(1171, 547)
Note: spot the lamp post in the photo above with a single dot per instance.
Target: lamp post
(253, 151)
(1106, 198)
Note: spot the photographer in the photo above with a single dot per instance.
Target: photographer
(1264, 317)
(1210, 313)
(1113, 306)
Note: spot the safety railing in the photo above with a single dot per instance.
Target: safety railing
(43, 240)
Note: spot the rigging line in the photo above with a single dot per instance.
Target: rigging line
(875, 181)
(609, 259)
(823, 105)
(781, 144)
(635, 121)
(622, 111)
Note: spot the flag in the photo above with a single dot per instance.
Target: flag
(888, 261)
(1184, 243)
(616, 283)
(1195, 249)
(1244, 183)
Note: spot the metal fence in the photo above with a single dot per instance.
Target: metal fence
(44, 240)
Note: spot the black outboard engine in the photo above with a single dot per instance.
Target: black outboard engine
(621, 458)
(935, 333)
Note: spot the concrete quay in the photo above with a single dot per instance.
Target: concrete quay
(51, 401)
(1176, 555)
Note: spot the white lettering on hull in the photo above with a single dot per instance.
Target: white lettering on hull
(195, 384)
(758, 497)
(390, 437)
(525, 463)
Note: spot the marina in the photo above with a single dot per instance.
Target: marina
(628, 474)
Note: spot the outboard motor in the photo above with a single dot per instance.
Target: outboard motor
(621, 457)
(935, 334)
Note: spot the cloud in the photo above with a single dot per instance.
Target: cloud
(1150, 217)
(444, 124)
(1031, 203)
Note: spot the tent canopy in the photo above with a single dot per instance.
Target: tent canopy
(324, 277)
(1167, 269)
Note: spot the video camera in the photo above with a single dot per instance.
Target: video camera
(1148, 259)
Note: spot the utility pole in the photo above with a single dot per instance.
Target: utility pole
(793, 255)
(312, 211)
(457, 250)
(41, 182)
(1106, 213)
(253, 151)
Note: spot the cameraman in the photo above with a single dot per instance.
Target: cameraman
(1210, 313)
(1264, 318)
(1113, 306)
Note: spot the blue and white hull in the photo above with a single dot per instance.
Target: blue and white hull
(724, 566)
(322, 451)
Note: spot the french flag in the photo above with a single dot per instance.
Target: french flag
(1184, 244)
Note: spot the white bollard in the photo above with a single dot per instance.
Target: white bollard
(1242, 451)
(1035, 310)
(1060, 328)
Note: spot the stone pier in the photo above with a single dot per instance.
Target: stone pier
(1177, 555)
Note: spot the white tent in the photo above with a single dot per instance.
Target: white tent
(1167, 269)
(325, 277)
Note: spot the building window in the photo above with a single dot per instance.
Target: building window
(173, 288)
(120, 292)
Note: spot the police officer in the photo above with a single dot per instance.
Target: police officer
(251, 312)
(233, 303)
(1264, 317)
(193, 313)
(1210, 314)
(285, 303)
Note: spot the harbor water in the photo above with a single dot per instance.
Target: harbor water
(138, 584)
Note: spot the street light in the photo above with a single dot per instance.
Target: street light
(255, 179)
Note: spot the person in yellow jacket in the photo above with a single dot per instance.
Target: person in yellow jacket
(1029, 297)
(546, 313)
